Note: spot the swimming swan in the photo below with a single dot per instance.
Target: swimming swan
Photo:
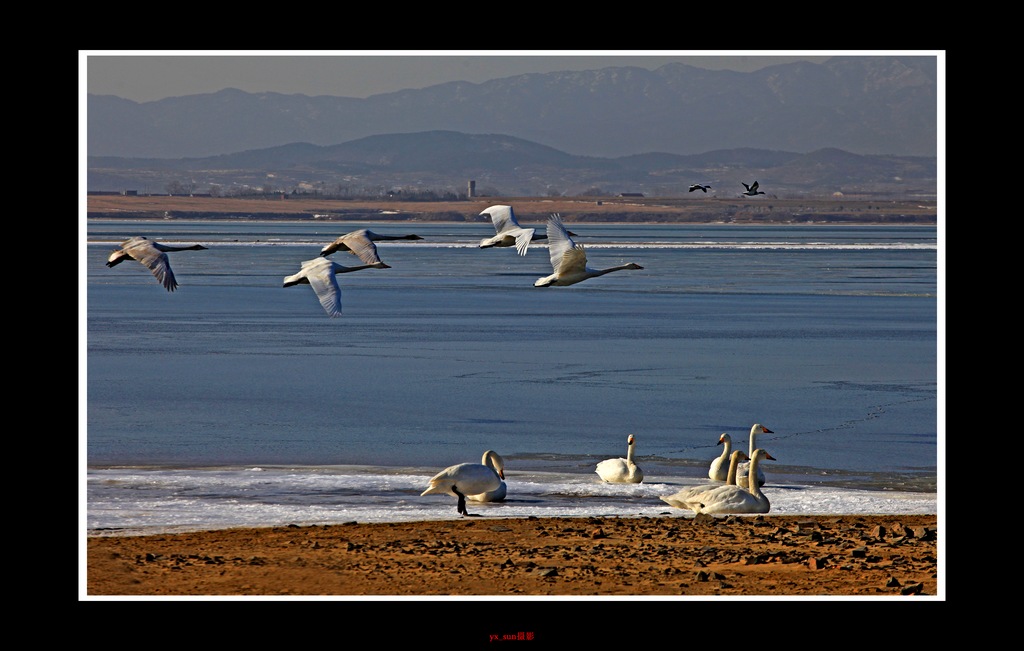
(681, 498)
(621, 471)
(319, 273)
(507, 230)
(468, 479)
(744, 468)
(727, 498)
(720, 466)
(151, 254)
(361, 244)
(752, 190)
(569, 260)
(498, 494)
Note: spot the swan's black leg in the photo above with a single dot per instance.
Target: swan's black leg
(462, 501)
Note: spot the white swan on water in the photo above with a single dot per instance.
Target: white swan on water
(720, 466)
(569, 259)
(152, 255)
(465, 479)
(726, 498)
(681, 498)
(361, 243)
(319, 273)
(744, 468)
(621, 471)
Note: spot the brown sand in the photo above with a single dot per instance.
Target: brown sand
(744, 556)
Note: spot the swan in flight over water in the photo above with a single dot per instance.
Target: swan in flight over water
(621, 471)
(698, 186)
(569, 260)
(725, 498)
(752, 190)
(361, 244)
(744, 468)
(465, 479)
(507, 230)
(152, 255)
(319, 273)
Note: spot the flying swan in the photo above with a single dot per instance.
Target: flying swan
(726, 498)
(319, 273)
(752, 190)
(465, 479)
(507, 230)
(698, 186)
(152, 255)
(621, 471)
(361, 244)
(744, 468)
(569, 260)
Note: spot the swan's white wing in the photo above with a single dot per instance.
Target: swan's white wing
(559, 244)
(320, 273)
(361, 246)
(143, 250)
(503, 218)
(523, 238)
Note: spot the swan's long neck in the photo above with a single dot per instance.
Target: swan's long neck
(734, 463)
(167, 247)
(750, 451)
(601, 272)
(629, 452)
(377, 265)
(752, 484)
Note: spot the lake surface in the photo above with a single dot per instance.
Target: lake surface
(827, 335)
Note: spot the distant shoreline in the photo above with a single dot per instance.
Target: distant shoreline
(532, 209)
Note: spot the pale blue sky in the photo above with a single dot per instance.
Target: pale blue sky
(147, 75)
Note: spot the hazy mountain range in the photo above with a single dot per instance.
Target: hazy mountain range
(847, 124)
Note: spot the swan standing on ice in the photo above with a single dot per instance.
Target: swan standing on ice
(681, 498)
(465, 479)
(621, 471)
(727, 498)
(569, 260)
(319, 273)
(152, 255)
(721, 466)
(507, 230)
(744, 468)
(361, 244)
(498, 494)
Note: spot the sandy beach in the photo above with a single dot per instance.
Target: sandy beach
(703, 556)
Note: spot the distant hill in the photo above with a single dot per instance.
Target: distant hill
(866, 105)
(445, 162)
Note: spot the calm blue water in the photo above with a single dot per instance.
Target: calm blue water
(237, 402)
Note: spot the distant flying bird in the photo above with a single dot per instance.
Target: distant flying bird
(319, 273)
(361, 244)
(698, 186)
(507, 230)
(751, 189)
(465, 479)
(151, 254)
(569, 260)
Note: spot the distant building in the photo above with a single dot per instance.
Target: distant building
(471, 190)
